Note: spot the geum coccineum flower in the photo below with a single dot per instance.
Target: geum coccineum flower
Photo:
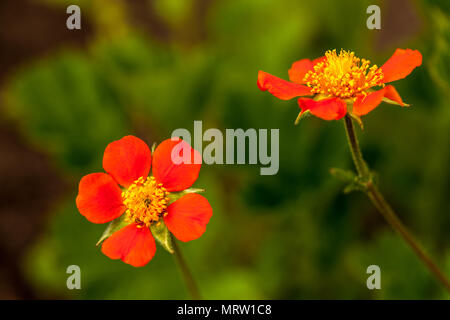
(339, 80)
(144, 201)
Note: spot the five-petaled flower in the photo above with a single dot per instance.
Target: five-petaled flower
(144, 198)
(337, 80)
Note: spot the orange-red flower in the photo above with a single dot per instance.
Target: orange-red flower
(337, 80)
(144, 198)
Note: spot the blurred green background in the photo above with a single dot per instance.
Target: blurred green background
(148, 67)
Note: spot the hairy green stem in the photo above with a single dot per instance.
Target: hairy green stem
(384, 208)
(187, 275)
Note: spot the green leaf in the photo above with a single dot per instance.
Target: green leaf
(353, 181)
(112, 227)
(162, 234)
(174, 196)
(343, 175)
(354, 186)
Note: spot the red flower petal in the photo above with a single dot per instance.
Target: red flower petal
(327, 109)
(299, 69)
(188, 216)
(127, 160)
(401, 64)
(319, 59)
(99, 198)
(280, 88)
(393, 95)
(133, 245)
(363, 105)
(167, 168)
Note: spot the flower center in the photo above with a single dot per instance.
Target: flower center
(146, 201)
(343, 75)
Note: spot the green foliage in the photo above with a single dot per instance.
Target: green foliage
(293, 235)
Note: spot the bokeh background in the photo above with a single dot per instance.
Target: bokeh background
(148, 67)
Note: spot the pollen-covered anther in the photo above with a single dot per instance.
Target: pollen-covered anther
(145, 201)
(343, 75)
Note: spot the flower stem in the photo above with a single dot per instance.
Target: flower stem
(384, 208)
(186, 273)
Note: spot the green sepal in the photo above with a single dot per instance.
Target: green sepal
(162, 234)
(357, 119)
(320, 96)
(393, 102)
(301, 116)
(112, 227)
(174, 196)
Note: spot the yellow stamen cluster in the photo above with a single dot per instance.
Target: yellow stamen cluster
(343, 75)
(145, 201)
